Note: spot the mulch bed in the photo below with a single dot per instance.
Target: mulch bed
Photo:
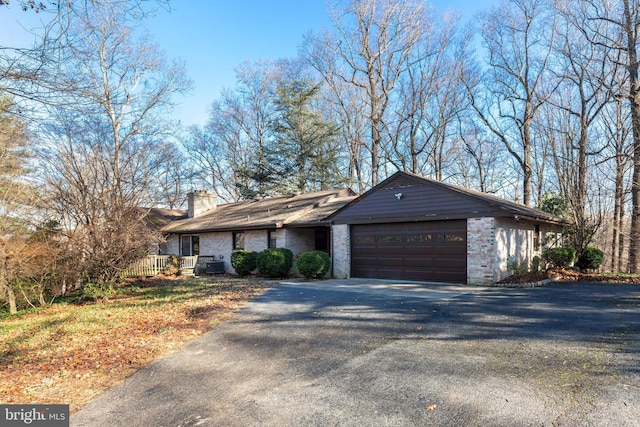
(569, 275)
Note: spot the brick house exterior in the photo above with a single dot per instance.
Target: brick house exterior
(213, 230)
(407, 227)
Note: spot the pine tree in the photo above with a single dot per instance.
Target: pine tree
(303, 146)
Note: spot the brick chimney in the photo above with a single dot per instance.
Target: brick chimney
(199, 202)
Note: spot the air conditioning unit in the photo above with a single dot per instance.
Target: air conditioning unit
(215, 267)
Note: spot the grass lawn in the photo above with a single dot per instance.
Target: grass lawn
(70, 352)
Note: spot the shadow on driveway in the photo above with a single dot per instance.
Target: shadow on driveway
(362, 352)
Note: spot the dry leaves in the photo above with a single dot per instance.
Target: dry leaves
(568, 275)
(70, 353)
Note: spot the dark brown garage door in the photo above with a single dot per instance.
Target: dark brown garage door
(430, 251)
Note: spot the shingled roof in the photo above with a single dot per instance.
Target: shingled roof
(272, 212)
(161, 217)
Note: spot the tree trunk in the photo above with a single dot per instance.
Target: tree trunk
(375, 153)
(621, 241)
(634, 102)
(617, 239)
(8, 288)
(527, 169)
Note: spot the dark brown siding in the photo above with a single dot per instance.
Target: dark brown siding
(406, 198)
(428, 251)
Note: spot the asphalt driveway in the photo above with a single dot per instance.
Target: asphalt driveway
(376, 353)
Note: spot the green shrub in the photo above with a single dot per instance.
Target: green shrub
(515, 267)
(559, 257)
(590, 259)
(275, 262)
(98, 291)
(314, 264)
(244, 261)
(172, 266)
(535, 263)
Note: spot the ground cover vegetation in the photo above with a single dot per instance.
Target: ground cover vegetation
(72, 350)
(537, 102)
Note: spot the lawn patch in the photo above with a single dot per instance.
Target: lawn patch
(71, 352)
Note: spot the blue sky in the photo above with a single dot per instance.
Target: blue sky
(214, 36)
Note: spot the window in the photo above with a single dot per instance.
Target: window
(189, 245)
(238, 240)
(368, 239)
(536, 238)
(322, 239)
(389, 239)
(418, 238)
(450, 237)
(271, 239)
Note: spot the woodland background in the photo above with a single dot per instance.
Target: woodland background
(538, 101)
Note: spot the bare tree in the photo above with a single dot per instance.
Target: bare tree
(16, 197)
(374, 39)
(478, 161)
(95, 162)
(518, 36)
(585, 80)
(231, 150)
(429, 97)
(172, 175)
(216, 151)
(615, 124)
(614, 25)
(343, 103)
(30, 73)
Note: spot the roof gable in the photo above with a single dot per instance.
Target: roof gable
(405, 197)
(272, 212)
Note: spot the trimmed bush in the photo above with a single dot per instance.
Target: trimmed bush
(590, 259)
(275, 262)
(561, 257)
(314, 264)
(244, 261)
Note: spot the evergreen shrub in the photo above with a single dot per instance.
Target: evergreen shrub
(590, 259)
(560, 257)
(244, 261)
(314, 264)
(275, 262)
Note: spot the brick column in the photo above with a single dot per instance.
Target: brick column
(481, 251)
(341, 251)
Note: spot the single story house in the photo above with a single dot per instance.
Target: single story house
(407, 227)
(296, 222)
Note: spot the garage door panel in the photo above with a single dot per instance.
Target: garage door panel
(450, 251)
(430, 251)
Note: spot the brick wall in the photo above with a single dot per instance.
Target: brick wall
(254, 240)
(481, 251)
(219, 245)
(298, 240)
(341, 251)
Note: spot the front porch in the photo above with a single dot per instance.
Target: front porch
(153, 265)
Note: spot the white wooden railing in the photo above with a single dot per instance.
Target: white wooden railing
(153, 265)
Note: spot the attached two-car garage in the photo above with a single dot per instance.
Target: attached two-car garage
(413, 228)
(433, 251)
